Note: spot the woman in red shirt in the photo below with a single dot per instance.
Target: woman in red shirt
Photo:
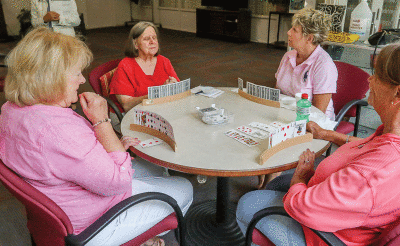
(142, 67)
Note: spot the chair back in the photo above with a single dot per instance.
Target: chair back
(47, 222)
(95, 74)
(352, 84)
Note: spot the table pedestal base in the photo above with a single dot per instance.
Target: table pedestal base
(203, 229)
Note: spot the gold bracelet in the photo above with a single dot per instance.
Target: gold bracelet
(347, 139)
(102, 121)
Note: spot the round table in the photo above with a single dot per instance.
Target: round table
(206, 150)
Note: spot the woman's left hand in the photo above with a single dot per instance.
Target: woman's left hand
(170, 80)
(305, 168)
(129, 141)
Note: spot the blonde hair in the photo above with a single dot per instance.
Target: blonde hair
(313, 22)
(37, 66)
(134, 34)
(387, 65)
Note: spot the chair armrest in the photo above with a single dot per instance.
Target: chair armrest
(346, 108)
(328, 237)
(115, 108)
(91, 231)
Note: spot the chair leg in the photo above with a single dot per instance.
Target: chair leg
(33, 242)
(328, 151)
(357, 122)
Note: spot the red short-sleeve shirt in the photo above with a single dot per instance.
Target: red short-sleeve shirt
(129, 78)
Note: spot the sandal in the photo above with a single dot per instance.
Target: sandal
(155, 241)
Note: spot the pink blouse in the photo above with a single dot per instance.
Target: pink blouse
(57, 152)
(355, 192)
(316, 75)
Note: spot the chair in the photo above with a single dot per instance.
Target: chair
(49, 225)
(352, 85)
(389, 237)
(95, 82)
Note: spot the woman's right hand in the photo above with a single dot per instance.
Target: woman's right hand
(170, 80)
(317, 131)
(94, 106)
(51, 16)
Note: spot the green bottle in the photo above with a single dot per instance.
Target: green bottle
(303, 108)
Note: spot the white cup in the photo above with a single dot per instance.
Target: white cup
(298, 96)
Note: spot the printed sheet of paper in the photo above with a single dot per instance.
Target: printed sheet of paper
(62, 7)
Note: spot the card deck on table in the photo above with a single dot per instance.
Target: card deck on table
(241, 138)
(151, 142)
(240, 84)
(252, 132)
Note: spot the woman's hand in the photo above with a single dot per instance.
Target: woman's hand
(51, 16)
(170, 80)
(94, 106)
(305, 168)
(317, 131)
(129, 141)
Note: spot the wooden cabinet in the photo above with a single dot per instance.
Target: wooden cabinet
(232, 25)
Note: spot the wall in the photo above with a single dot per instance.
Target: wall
(11, 9)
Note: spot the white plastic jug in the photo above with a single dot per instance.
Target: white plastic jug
(360, 22)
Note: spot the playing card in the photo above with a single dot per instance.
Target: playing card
(252, 132)
(286, 132)
(173, 88)
(187, 84)
(267, 90)
(156, 92)
(257, 91)
(149, 94)
(248, 87)
(151, 142)
(299, 128)
(240, 84)
(250, 142)
(274, 94)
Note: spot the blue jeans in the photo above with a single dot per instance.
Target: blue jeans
(279, 229)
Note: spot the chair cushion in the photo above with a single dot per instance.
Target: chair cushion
(345, 127)
(105, 82)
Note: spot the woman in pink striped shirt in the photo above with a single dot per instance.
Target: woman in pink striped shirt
(355, 192)
(81, 165)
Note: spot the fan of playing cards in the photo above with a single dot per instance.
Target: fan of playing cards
(168, 90)
(260, 91)
(155, 125)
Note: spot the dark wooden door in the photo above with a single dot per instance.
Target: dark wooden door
(3, 29)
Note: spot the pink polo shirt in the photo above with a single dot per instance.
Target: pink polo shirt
(316, 75)
(355, 192)
(57, 152)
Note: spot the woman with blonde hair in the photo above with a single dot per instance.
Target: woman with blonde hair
(307, 68)
(354, 192)
(81, 165)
